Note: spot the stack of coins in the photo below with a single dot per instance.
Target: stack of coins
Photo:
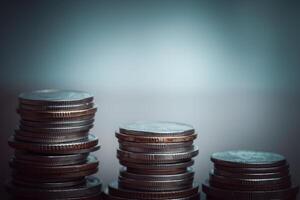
(157, 160)
(52, 147)
(249, 175)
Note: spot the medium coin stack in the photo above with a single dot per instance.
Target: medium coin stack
(249, 175)
(52, 146)
(157, 159)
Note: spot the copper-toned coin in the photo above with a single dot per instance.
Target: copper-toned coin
(287, 193)
(244, 159)
(91, 163)
(157, 157)
(156, 139)
(82, 146)
(55, 97)
(115, 190)
(49, 160)
(155, 128)
(91, 187)
(55, 115)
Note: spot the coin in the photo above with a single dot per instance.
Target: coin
(48, 177)
(157, 157)
(151, 166)
(249, 188)
(54, 115)
(155, 128)
(91, 163)
(48, 184)
(55, 97)
(49, 160)
(150, 177)
(35, 179)
(156, 139)
(63, 120)
(56, 124)
(56, 107)
(50, 138)
(153, 150)
(156, 147)
(250, 184)
(89, 197)
(115, 190)
(287, 193)
(249, 175)
(60, 148)
(66, 130)
(248, 159)
(283, 168)
(166, 185)
(107, 196)
(92, 186)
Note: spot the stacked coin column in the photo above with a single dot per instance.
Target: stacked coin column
(52, 147)
(157, 157)
(249, 175)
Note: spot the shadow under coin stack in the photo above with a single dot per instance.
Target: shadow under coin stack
(157, 157)
(249, 175)
(52, 147)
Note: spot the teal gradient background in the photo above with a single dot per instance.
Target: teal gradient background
(229, 68)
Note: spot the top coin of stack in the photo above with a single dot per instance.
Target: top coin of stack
(157, 157)
(52, 147)
(249, 175)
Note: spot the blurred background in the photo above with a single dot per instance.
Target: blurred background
(229, 68)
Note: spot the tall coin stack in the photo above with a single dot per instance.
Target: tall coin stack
(52, 147)
(249, 175)
(157, 157)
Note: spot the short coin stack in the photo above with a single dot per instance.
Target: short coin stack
(249, 175)
(52, 147)
(157, 157)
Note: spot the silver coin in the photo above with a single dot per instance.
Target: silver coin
(155, 128)
(54, 97)
(157, 157)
